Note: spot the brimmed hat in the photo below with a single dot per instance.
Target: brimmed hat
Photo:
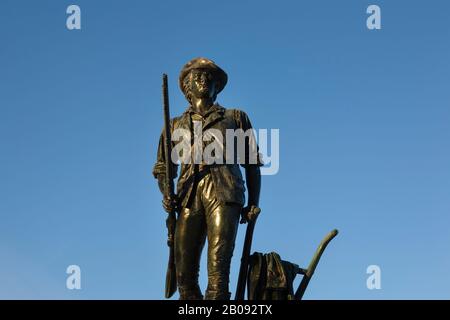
(204, 63)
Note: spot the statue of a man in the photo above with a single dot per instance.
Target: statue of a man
(210, 196)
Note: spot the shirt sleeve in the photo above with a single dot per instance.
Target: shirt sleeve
(160, 166)
(252, 155)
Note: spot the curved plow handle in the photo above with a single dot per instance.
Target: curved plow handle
(308, 273)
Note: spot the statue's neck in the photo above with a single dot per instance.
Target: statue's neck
(202, 105)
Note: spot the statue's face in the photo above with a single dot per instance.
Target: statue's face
(203, 84)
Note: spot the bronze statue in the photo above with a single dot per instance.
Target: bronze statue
(210, 197)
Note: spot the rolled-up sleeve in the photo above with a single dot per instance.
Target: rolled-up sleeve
(160, 166)
(252, 155)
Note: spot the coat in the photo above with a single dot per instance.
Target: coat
(226, 173)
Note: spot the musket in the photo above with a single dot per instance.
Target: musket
(171, 281)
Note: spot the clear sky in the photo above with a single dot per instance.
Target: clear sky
(364, 139)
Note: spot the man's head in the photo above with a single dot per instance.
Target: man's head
(202, 78)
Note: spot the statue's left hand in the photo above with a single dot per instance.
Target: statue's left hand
(249, 213)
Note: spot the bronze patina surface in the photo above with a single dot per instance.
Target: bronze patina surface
(210, 197)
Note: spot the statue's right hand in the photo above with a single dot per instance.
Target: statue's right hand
(170, 204)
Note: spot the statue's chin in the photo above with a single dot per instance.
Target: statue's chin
(203, 94)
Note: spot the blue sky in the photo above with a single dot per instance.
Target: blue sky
(364, 140)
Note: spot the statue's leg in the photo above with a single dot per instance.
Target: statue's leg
(190, 234)
(222, 223)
